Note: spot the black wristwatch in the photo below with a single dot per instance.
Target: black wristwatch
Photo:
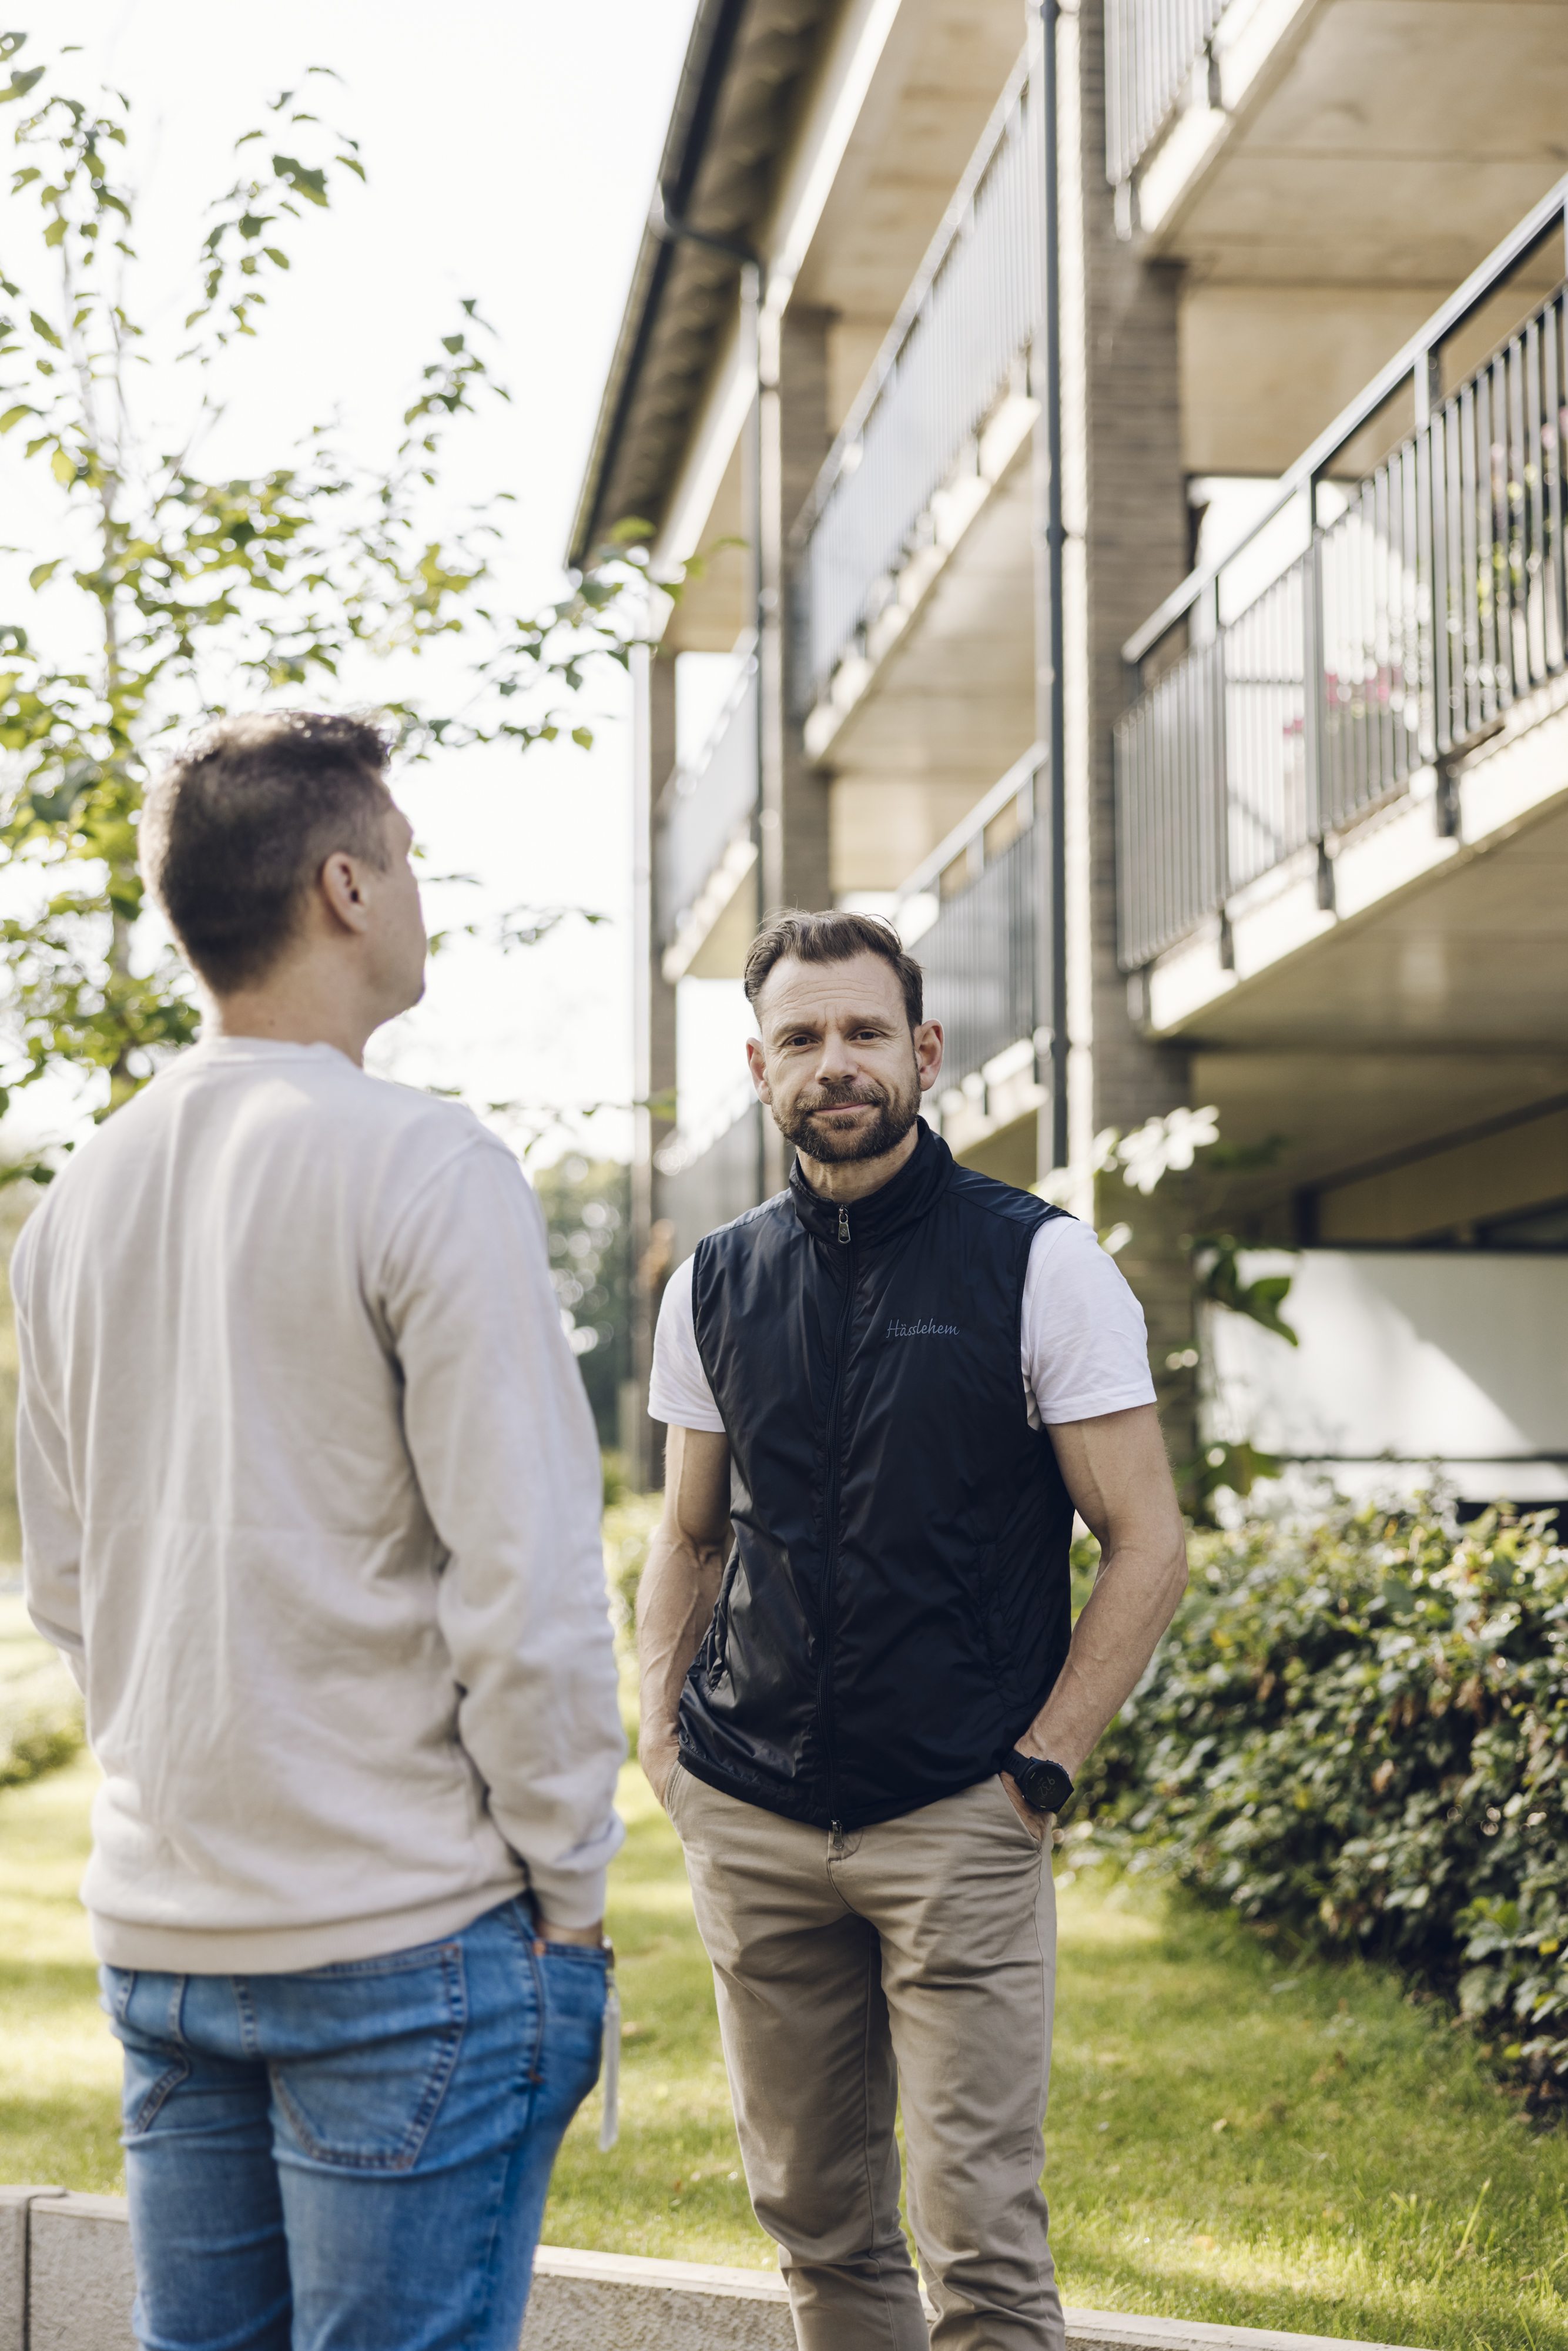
(1044, 1787)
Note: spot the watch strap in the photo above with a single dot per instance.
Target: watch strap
(1024, 1768)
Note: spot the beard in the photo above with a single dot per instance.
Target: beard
(897, 1109)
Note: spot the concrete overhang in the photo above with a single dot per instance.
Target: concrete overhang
(712, 941)
(1360, 142)
(1361, 158)
(1321, 1118)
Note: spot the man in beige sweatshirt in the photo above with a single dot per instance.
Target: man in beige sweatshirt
(309, 1495)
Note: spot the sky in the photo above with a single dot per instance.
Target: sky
(510, 153)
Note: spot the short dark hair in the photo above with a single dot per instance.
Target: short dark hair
(835, 936)
(238, 825)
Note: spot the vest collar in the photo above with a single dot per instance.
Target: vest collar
(901, 1201)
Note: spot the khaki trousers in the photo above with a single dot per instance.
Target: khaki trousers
(916, 1960)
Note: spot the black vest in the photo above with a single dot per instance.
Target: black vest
(894, 1609)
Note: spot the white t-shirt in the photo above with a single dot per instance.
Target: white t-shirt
(1083, 1347)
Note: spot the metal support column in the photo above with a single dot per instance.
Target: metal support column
(1050, 543)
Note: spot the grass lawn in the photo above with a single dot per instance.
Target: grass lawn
(59, 2069)
(1232, 2137)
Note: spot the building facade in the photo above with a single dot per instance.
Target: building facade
(1114, 457)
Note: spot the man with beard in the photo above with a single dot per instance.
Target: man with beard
(862, 1707)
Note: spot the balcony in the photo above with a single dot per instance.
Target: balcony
(937, 422)
(1380, 708)
(970, 917)
(703, 913)
(1323, 170)
(1152, 49)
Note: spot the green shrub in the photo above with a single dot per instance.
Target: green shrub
(1357, 1730)
(628, 1527)
(40, 1707)
(628, 1524)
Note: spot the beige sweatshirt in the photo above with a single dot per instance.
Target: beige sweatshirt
(311, 1502)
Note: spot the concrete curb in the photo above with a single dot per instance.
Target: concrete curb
(66, 2283)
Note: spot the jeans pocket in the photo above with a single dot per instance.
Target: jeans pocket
(144, 2016)
(674, 1794)
(361, 2054)
(115, 1986)
(576, 1984)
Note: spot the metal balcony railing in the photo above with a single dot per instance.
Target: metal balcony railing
(1418, 616)
(1150, 49)
(981, 950)
(945, 363)
(705, 805)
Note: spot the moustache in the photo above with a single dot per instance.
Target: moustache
(845, 1098)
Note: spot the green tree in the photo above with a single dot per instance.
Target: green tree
(587, 1210)
(200, 594)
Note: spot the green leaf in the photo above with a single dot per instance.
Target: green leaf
(42, 327)
(305, 182)
(42, 573)
(21, 83)
(1259, 1300)
(14, 416)
(63, 468)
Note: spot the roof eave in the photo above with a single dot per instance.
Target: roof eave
(708, 53)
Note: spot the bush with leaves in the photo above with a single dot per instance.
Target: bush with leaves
(40, 1706)
(1357, 1730)
(588, 1214)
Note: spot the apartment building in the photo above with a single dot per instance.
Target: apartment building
(1116, 459)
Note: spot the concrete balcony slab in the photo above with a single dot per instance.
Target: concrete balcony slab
(1446, 937)
(1340, 142)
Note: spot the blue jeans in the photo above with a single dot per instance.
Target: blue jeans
(356, 2157)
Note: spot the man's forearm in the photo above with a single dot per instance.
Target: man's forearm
(675, 1601)
(1134, 1600)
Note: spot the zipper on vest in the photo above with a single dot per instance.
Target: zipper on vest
(831, 1513)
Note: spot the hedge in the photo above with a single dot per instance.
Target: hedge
(40, 1711)
(1357, 1730)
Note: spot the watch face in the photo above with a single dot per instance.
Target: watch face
(1045, 1787)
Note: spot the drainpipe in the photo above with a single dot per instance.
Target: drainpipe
(1049, 542)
